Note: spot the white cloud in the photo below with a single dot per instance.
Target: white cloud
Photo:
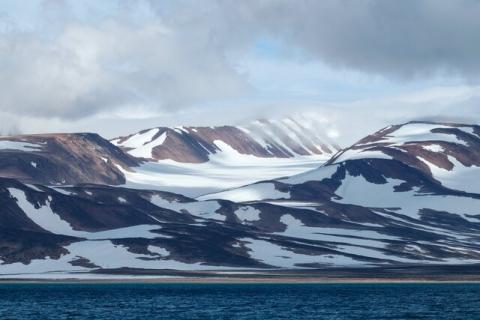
(110, 66)
(118, 66)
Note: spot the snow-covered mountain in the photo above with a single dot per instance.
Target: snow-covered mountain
(446, 156)
(410, 177)
(284, 138)
(198, 160)
(449, 153)
(402, 196)
(187, 160)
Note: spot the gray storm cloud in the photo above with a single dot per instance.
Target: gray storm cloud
(181, 55)
(396, 39)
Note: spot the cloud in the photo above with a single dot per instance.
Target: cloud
(78, 63)
(395, 39)
(81, 69)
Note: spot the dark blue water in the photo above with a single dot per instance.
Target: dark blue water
(248, 301)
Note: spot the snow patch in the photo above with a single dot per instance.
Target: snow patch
(277, 256)
(19, 145)
(434, 148)
(201, 209)
(254, 192)
(358, 191)
(45, 218)
(248, 214)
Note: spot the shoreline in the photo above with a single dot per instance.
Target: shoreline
(375, 275)
(239, 281)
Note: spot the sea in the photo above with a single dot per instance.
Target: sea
(240, 301)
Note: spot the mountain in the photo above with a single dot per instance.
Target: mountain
(91, 228)
(188, 160)
(63, 159)
(284, 138)
(399, 197)
(449, 153)
(405, 183)
(440, 158)
(198, 160)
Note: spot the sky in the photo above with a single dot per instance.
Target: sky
(116, 67)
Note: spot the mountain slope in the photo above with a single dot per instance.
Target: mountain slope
(384, 182)
(376, 203)
(449, 153)
(63, 159)
(284, 138)
(198, 160)
(439, 158)
(92, 228)
(191, 161)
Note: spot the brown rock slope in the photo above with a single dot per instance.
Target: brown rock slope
(59, 159)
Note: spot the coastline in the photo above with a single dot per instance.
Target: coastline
(239, 281)
(374, 275)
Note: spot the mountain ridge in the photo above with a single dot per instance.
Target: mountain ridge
(283, 138)
(375, 203)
